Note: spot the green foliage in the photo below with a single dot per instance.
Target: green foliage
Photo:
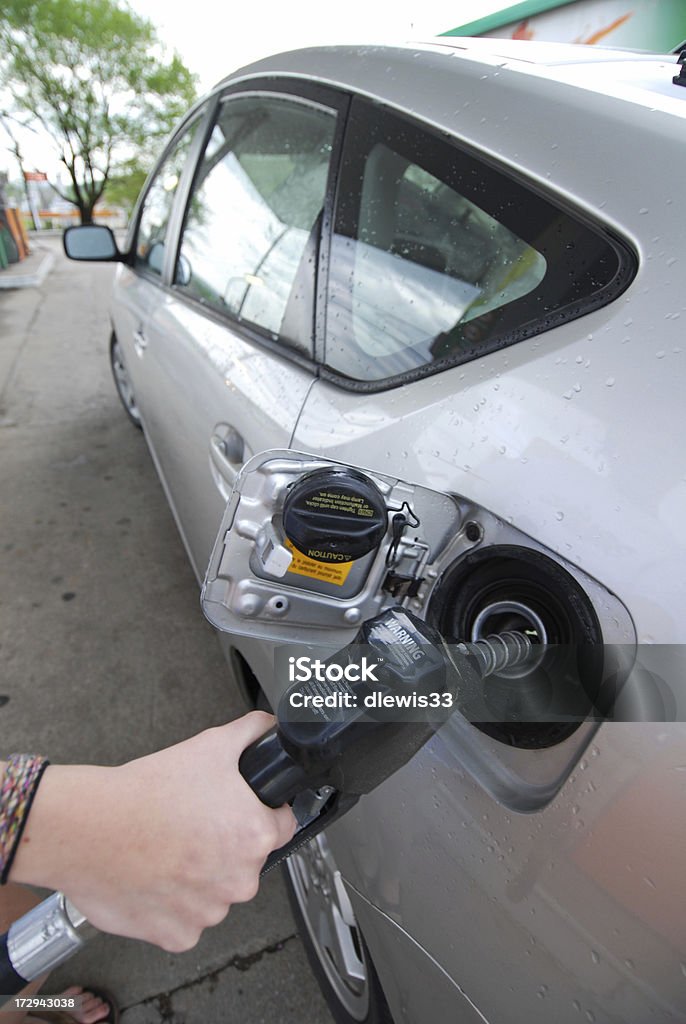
(93, 75)
(125, 184)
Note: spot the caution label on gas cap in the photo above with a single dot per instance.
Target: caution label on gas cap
(329, 572)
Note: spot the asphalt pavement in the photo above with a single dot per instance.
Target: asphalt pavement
(104, 652)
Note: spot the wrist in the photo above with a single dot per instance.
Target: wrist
(57, 825)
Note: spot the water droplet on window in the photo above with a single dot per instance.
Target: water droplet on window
(559, 516)
(610, 382)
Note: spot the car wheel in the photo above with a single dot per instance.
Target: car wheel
(332, 937)
(122, 382)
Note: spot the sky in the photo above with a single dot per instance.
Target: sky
(214, 45)
(214, 40)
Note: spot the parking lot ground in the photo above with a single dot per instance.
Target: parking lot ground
(104, 651)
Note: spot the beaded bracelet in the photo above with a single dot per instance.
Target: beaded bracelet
(19, 785)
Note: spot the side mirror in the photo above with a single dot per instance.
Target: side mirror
(184, 274)
(91, 242)
(155, 257)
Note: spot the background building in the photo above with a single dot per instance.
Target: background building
(658, 25)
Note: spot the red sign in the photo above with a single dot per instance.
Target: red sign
(35, 176)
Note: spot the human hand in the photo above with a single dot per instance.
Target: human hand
(159, 848)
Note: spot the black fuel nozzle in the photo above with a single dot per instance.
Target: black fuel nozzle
(349, 722)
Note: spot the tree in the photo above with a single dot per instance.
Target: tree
(126, 182)
(94, 76)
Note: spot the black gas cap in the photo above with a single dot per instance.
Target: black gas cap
(334, 515)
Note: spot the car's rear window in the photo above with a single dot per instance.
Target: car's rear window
(438, 257)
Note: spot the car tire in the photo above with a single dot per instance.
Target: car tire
(332, 937)
(122, 382)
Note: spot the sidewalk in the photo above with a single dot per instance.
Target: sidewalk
(30, 272)
(104, 651)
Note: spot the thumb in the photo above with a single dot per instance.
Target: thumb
(249, 728)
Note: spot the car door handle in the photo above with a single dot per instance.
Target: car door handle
(227, 455)
(140, 342)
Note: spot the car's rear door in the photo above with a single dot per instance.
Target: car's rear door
(442, 262)
(229, 348)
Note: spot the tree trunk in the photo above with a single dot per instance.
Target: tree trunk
(86, 212)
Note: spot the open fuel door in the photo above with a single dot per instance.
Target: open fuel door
(309, 548)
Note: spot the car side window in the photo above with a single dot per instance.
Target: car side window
(250, 238)
(438, 257)
(156, 208)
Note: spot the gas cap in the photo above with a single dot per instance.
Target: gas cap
(334, 515)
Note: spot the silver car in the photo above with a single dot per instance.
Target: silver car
(460, 264)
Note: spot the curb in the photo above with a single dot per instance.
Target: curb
(33, 280)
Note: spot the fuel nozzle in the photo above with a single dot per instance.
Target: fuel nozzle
(351, 720)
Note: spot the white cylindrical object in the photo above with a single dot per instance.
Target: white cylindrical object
(49, 934)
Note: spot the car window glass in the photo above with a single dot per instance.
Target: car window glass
(157, 206)
(250, 237)
(438, 258)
